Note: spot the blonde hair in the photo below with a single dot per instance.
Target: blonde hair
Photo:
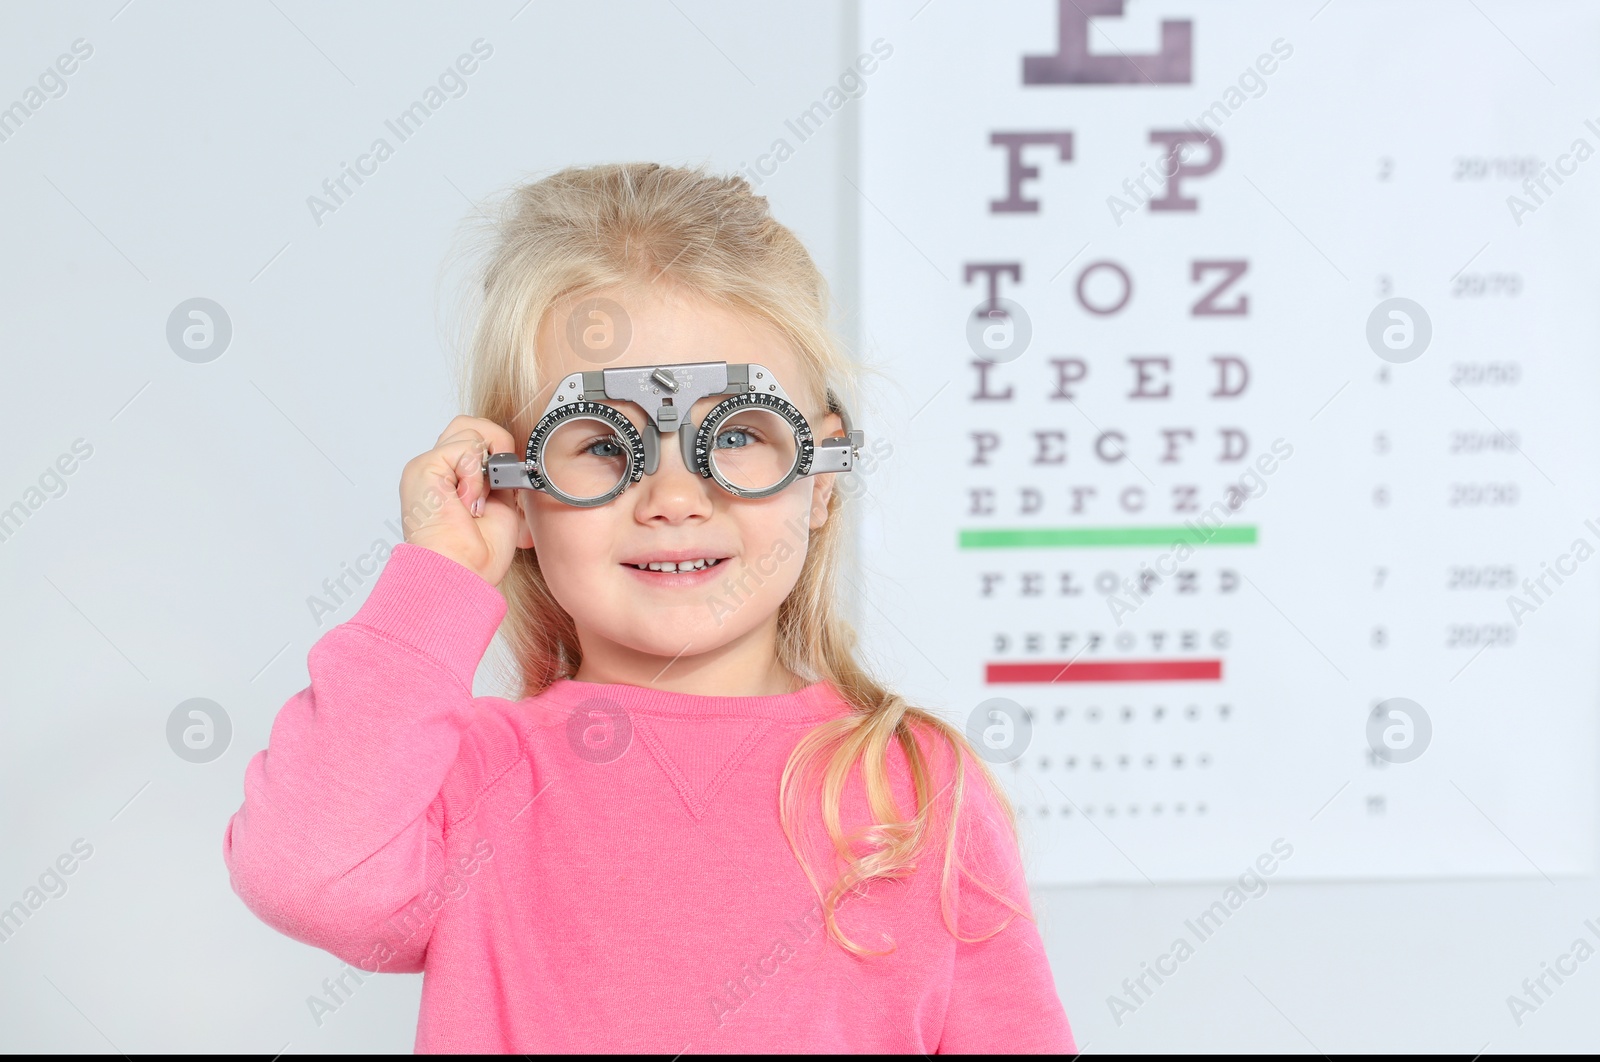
(583, 230)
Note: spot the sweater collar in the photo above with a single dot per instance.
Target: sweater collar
(812, 703)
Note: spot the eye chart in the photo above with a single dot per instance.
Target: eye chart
(1244, 424)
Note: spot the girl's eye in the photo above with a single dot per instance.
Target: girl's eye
(607, 446)
(734, 438)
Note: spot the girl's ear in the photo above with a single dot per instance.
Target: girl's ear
(822, 486)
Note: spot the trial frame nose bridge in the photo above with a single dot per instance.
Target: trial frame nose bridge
(667, 394)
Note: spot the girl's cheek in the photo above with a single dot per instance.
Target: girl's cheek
(569, 530)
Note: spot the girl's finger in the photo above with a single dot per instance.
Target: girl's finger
(468, 463)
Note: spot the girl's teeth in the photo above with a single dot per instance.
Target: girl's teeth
(679, 566)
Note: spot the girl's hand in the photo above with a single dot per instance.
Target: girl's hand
(446, 504)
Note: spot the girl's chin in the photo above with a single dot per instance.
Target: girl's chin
(680, 633)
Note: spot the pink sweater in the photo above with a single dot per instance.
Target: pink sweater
(601, 867)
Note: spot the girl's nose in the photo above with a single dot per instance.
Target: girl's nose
(675, 492)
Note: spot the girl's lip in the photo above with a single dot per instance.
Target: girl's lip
(677, 579)
(676, 555)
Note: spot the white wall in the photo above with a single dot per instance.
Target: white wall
(219, 496)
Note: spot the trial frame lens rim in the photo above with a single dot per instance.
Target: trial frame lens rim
(804, 446)
(539, 438)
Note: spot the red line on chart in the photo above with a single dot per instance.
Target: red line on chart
(1107, 671)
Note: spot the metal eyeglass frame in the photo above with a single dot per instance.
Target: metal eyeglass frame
(668, 393)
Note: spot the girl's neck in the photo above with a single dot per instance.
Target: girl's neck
(745, 667)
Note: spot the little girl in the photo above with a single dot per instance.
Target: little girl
(704, 827)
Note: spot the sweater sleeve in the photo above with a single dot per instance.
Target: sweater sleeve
(1002, 995)
(342, 821)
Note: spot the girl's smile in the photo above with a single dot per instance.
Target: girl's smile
(686, 568)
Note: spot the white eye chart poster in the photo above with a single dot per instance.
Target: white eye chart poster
(1245, 424)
